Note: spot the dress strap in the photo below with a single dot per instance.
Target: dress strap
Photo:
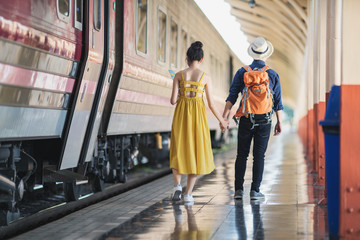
(202, 76)
(182, 76)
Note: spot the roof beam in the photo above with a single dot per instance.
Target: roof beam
(247, 17)
(285, 20)
(299, 9)
(274, 32)
(292, 15)
(287, 54)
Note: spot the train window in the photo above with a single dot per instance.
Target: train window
(161, 36)
(78, 14)
(174, 43)
(141, 26)
(63, 9)
(184, 47)
(97, 14)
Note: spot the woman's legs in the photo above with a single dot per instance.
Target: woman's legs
(176, 196)
(191, 179)
(176, 176)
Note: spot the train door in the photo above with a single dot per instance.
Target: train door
(104, 82)
(117, 56)
(90, 79)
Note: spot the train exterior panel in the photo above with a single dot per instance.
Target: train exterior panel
(142, 101)
(38, 61)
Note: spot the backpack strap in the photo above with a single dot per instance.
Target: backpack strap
(247, 68)
(245, 92)
(265, 68)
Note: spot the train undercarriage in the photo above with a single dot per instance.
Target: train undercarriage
(27, 165)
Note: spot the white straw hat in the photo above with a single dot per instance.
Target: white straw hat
(260, 49)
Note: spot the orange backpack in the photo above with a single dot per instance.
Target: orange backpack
(256, 96)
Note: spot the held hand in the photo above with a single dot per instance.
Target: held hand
(221, 127)
(224, 124)
(277, 129)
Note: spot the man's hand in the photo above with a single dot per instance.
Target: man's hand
(277, 129)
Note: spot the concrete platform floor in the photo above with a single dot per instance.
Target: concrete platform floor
(290, 209)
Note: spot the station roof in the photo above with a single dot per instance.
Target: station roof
(285, 24)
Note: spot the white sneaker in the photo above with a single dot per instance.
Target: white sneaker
(176, 196)
(188, 198)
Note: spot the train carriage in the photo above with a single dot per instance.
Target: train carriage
(84, 86)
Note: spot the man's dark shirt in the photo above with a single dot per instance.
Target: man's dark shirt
(238, 85)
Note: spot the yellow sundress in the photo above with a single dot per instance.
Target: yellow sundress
(190, 146)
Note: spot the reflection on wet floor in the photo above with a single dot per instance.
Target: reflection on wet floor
(289, 211)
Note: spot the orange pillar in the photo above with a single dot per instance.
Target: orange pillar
(320, 144)
(310, 139)
(316, 142)
(350, 162)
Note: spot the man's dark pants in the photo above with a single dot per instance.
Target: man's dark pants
(260, 134)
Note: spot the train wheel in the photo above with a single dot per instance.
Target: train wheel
(71, 191)
(97, 184)
(19, 190)
(122, 177)
(7, 216)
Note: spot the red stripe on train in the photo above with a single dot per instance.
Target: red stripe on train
(131, 96)
(17, 76)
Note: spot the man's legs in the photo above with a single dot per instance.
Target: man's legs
(244, 141)
(261, 139)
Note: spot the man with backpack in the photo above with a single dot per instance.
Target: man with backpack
(261, 96)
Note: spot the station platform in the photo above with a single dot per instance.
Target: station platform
(290, 209)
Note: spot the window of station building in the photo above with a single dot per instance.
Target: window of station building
(184, 47)
(141, 26)
(192, 39)
(212, 65)
(78, 14)
(174, 43)
(63, 9)
(97, 14)
(216, 70)
(161, 48)
(221, 71)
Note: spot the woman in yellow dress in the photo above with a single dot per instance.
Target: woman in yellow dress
(190, 148)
